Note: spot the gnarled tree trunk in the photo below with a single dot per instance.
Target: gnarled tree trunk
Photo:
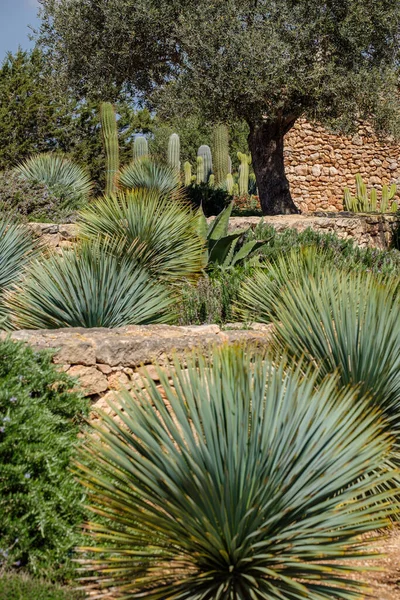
(266, 146)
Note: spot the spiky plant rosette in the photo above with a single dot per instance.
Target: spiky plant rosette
(232, 479)
(149, 174)
(88, 287)
(260, 291)
(157, 231)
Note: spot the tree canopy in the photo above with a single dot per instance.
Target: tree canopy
(263, 61)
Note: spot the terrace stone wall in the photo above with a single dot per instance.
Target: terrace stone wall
(320, 164)
(375, 231)
(108, 360)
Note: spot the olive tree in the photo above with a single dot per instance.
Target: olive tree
(267, 62)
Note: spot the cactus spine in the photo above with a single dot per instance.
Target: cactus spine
(140, 147)
(245, 161)
(205, 153)
(110, 137)
(187, 167)
(200, 170)
(221, 153)
(174, 151)
(229, 183)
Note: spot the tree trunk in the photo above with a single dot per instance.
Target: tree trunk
(266, 146)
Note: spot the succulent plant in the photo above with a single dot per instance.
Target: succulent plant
(140, 147)
(110, 137)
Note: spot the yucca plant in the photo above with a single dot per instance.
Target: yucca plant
(87, 287)
(17, 248)
(61, 175)
(148, 174)
(260, 291)
(347, 323)
(159, 232)
(235, 480)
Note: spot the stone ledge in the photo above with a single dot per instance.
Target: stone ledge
(109, 359)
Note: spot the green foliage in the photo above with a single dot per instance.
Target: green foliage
(111, 144)
(155, 230)
(212, 200)
(17, 249)
(31, 201)
(221, 153)
(264, 491)
(22, 587)
(174, 152)
(361, 202)
(140, 147)
(65, 179)
(149, 174)
(40, 502)
(88, 287)
(223, 248)
(204, 152)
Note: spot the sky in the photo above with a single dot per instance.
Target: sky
(15, 16)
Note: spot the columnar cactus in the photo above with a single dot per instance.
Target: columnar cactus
(187, 167)
(110, 138)
(245, 161)
(174, 151)
(211, 180)
(229, 165)
(361, 203)
(200, 170)
(205, 153)
(221, 153)
(229, 183)
(235, 190)
(140, 147)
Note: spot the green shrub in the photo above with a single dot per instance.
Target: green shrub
(88, 287)
(22, 587)
(40, 503)
(235, 480)
(212, 200)
(31, 201)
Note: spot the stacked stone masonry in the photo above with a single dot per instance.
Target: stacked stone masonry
(320, 164)
(367, 230)
(107, 360)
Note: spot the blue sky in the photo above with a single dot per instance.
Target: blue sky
(15, 16)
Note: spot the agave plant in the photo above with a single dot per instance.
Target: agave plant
(157, 231)
(347, 323)
(222, 247)
(232, 480)
(17, 249)
(61, 175)
(259, 292)
(148, 174)
(87, 287)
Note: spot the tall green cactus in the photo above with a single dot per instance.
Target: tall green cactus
(205, 153)
(361, 203)
(229, 165)
(110, 137)
(245, 162)
(211, 180)
(187, 167)
(200, 170)
(229, 183)
(220, 153)
(140, 147)
(174, 152)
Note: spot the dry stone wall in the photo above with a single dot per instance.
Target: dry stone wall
(375, 231)
(107, 360)
(320, 164)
